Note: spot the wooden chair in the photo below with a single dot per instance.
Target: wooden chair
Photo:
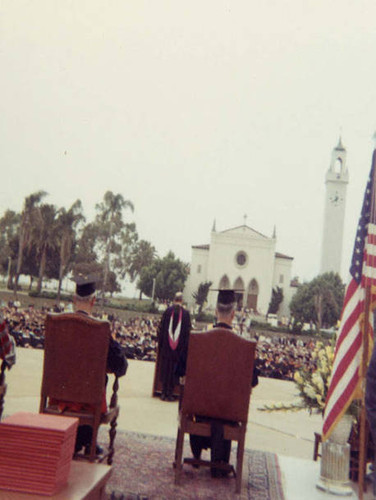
(217, 386)
(74, 370)
(3, 387)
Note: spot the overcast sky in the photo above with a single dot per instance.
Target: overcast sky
(194, 111)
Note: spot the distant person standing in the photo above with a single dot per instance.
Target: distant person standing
(173, 336)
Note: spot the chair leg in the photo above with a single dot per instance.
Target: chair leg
(316, 445)
(239, 462)
(179, 454)
(112, 432)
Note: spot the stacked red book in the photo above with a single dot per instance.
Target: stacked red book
(36, 452)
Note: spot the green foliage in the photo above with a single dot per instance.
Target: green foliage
(169, 273)
(275, 301)
(50, 295)
(30, 218)
(111, 232)
(313, 384)
(9, 229)
(319, 301)
(141, 255)
(202, 294)
(205, 317)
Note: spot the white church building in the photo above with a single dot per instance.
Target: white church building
(243, 259)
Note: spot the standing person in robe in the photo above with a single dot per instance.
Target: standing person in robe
(173, 337)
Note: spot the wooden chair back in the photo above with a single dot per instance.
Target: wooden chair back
(75, 358)
(218, 385)
(219, 375)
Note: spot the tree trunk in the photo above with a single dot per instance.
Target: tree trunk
(19, 261)
(31, 282)
(41, 269)
(61, 274)
(58, 291)
(10, 281)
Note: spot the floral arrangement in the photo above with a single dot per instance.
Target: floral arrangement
(312, 384)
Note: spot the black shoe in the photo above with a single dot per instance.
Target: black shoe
(98, 450)
(170, 398)
(216, 472)
(197, 456)
(163, 397)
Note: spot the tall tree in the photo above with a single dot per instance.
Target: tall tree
(169, 274)
(44, 236)
(201, 295)
(142, 255)
(67, 223)
(29, 214)
(319, 301)
(275, 301)
(9, 234)
(111, 230)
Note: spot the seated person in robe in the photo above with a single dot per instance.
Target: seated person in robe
(117, 363)
(220, 448)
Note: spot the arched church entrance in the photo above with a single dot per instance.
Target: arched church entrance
(253, 291)
(239, 293)
(224, 283)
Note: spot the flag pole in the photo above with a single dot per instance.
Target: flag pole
(362, 433)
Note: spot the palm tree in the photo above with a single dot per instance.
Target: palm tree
(44, 236)
(28, 216)
(67, 223)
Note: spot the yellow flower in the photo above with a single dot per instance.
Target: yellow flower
(309, 391)
(318, 381)
(298, 378)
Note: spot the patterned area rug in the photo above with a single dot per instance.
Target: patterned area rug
(142, 470)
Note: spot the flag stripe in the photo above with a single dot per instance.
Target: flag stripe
(344, 364)
(347, 373)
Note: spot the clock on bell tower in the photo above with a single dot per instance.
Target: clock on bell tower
(336, 180)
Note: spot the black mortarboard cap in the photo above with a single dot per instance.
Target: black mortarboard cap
(226, 296)
(85, 284)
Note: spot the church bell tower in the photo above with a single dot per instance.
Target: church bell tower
(336, 180)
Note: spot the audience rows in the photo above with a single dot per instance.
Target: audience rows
(277, 357)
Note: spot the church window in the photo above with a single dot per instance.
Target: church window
(281, 278)
(241, 258)
(199, 269)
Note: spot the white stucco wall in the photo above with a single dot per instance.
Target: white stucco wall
(197, 275)
(282, 278)
(219, 259)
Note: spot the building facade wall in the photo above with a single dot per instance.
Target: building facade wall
(282, 279)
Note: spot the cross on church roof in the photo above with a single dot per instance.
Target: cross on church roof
(245, 219)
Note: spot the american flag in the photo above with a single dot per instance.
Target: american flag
(347, 374)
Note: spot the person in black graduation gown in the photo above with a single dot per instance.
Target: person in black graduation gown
(117, 363)
(173, 337)
(220, 448)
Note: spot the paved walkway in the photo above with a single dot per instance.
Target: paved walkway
(290, 435)
(284, 433)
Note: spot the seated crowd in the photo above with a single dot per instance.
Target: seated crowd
(277, 357)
